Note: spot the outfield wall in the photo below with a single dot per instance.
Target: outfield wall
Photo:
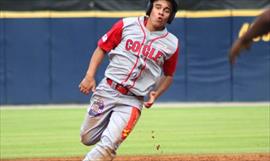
(44, 55)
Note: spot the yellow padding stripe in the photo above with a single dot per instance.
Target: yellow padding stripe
(68, 14)
(218, 13)
(118, 14)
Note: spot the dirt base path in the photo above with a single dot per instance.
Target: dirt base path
(223, 157)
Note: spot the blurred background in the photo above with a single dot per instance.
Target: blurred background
(46, 45)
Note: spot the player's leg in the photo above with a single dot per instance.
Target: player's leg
(122, 121)
(93, 127)
(96, 118)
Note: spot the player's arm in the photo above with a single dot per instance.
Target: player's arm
(260, 27)
(109, 41)
(169, 68)
(88, 83)
(165, 83)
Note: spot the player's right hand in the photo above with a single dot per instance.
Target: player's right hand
(86, 85)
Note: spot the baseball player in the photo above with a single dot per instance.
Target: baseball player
(260, 27)
(141, 52)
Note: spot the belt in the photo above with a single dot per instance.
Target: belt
(120, 88)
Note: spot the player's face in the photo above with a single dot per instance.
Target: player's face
(160, 14)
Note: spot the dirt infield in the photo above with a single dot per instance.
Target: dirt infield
(223, 157)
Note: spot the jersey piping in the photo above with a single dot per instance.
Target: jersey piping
(145, 59)
(138, 55)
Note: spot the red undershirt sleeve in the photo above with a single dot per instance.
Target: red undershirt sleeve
(169, 65)
(112, 38)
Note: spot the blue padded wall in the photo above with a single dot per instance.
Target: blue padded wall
(2, 64)
(73, 41)
(27, 51)
(251, 73)
(43, 60)
(208, 70)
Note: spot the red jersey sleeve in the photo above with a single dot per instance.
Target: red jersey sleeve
(169, 65)
(112, 38)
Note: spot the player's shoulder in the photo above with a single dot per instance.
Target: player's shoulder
(126, 21)
(173, 41)
(129, 20)
(172, 37)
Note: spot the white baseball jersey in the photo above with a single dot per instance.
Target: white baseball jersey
(137, 56)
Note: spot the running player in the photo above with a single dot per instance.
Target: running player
(141, 51)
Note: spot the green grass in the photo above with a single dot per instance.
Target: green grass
(28, 133)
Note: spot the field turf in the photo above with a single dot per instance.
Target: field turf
(54, 132)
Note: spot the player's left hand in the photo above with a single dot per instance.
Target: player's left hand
(151, 100)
